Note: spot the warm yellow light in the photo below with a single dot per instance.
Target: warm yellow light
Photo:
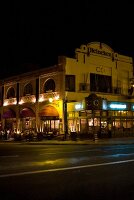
(41, 99)
(50, 100)
(5, 104)
(15, 102)
(57, 97)
(21, 102)
(18, 132)
(34, 100)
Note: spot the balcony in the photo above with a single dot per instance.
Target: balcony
(49, 95)
(27, 99)
(10, 101)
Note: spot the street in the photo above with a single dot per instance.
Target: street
(66, 172)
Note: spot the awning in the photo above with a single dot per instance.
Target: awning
(49, 111)
(9, 114)
(27, 112)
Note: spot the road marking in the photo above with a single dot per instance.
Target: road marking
(70, 152)
(89, 150)
(65, 168)
(118, 155)
(124, 147)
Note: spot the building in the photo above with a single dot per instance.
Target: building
(91, 93)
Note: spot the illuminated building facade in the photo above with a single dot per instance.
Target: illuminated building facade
(96, 86)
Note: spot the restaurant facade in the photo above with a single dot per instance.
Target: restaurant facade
(88, 94)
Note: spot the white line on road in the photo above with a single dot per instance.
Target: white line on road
(66, 168)
(70, 152)
(82, 151)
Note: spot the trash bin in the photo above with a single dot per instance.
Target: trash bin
(73, 136)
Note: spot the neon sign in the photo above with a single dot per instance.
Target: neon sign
(118, 106)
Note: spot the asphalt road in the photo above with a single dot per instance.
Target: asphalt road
(66, 172)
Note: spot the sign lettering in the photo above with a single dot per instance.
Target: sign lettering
(96, 51)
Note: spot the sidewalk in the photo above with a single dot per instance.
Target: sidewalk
(111, 141)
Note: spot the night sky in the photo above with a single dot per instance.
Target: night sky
(34, 34)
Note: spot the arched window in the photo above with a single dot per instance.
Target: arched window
(49, 86)
(11, 93)
(28, 89)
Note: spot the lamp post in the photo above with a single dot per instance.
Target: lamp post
(65, 118)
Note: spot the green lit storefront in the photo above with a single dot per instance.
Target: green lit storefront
(107, 119)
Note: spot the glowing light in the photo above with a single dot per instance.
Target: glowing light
(41, 99)
(15, 102)
(78, 106)
(21, 102)
(5, 104)
(118, 106)
(57, 97)
(50, 100)
(34, 100)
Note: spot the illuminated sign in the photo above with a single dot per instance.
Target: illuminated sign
(117, 106)
(104, 104)
(132, 107)
(92, 50)
(78, 106)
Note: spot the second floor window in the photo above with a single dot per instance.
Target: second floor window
(100, 83)
(70, 83)
(11, 93)
(28, 89)
(49, 86)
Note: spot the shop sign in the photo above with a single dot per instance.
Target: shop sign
(117, 106)
(78, 106)
(132, 106)
(96, 51)
(104, 104)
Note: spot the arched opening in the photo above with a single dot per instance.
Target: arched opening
(49, 86)
(28, 89)
(27, 116)
(11, 93)
(10, 120)
(49, 120)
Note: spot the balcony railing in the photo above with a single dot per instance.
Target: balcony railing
(27, 99)
(48, 95)
(11, 101)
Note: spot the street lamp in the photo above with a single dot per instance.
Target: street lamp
(65, 118)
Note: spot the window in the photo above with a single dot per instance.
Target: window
(49, 86)
(28, 89)
(11, 93)
(70, 83)
(100, 83)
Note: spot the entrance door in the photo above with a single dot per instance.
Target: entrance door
(51, 126)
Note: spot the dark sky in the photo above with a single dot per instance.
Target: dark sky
(34, 34)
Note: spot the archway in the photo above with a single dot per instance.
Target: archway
(49, 119)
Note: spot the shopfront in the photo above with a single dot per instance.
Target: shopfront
(114, 117)
(49, 120)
